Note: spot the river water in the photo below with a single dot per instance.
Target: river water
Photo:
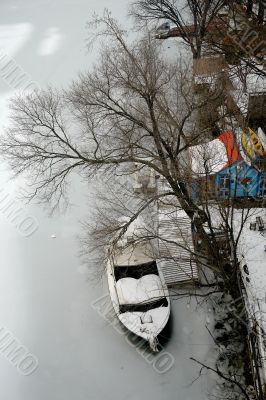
(48, 298)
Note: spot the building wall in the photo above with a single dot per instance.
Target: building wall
(240, 180)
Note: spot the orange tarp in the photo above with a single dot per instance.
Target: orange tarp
(228, 139)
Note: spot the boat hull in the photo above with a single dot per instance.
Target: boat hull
(145, 324)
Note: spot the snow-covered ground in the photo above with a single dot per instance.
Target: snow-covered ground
(252, 252)
(252, 257)
(45, 291)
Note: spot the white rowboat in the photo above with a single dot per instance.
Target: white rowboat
(138, 292)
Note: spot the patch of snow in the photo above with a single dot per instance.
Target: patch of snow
(208, 158)
(256, 83)
(135, 291)
(83, 269)
(251, 249)
(14, 36)
(136, 230)
(51, 42)
(252, 257)
(134, 321)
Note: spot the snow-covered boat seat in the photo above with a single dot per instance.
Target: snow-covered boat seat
(136, 291)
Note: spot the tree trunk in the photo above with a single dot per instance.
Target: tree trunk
(261, 11)
(249, 7)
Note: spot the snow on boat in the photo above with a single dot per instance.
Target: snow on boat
(138, 292)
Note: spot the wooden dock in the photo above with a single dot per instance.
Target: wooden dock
(176, 250)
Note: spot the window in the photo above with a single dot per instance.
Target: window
(225, 182)
(262, 190)
(224, 185)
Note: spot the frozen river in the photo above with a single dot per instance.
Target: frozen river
(46, 294)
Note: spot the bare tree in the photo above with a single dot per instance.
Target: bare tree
(118, 200)
(219, 26)
(192, 18)
(133, 107)
(217, 251)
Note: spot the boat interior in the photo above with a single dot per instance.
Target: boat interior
(137, 272)
(162, 302)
